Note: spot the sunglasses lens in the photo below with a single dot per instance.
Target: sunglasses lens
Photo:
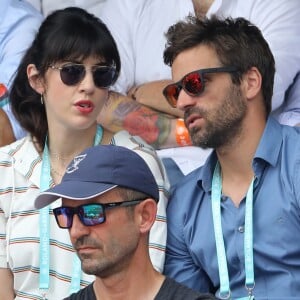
(104, 76)
(72, 74)
(171, 92)
(91, 214)
(64, 216)
(192, 84)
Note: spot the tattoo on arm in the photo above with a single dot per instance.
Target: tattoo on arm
(154, 127)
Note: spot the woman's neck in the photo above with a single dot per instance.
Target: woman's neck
(68, 143)
(64, 146)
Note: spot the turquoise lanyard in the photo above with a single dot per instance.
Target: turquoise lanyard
(44, 222)
(225, 292)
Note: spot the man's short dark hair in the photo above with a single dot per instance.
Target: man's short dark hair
(237, 42)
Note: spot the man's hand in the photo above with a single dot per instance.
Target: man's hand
(6, 131)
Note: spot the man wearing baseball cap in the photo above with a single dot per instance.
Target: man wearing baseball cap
(109, 203)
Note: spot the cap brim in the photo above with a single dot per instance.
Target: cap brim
(72, 190)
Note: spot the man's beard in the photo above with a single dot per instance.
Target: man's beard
(222, 124)
(106, 261)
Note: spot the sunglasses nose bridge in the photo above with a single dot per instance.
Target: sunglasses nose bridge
(78, 228)
(87, 80)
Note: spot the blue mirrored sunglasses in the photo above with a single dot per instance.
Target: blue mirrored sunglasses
(89, 214)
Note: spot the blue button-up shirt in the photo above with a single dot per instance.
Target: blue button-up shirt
(191, 251)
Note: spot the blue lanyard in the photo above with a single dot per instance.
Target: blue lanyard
(225, 292)
(44, 222)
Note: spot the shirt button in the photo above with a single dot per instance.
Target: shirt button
(241, 229)
(223, 198)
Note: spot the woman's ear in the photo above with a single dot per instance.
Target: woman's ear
(35, 80)
(146, 212)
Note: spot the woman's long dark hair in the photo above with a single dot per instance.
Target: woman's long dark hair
(65, 35)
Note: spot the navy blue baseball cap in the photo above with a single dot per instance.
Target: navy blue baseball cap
(99, 169)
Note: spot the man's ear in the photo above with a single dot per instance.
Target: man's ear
(146, 212)
(35, 80)
(252, 83)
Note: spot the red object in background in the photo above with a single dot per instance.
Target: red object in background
(3, 91)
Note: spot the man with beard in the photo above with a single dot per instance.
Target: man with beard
(109, 203)
(233, 224)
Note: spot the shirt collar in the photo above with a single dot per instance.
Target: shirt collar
(27, 165)
(267, 151)
(270, 142)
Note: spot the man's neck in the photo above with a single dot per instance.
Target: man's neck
(236, 162)
(124, 286)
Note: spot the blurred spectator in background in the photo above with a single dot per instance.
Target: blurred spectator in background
(47, 6)
(19, 22)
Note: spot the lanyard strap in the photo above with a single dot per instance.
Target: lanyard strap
(44, 223)
(225, 292)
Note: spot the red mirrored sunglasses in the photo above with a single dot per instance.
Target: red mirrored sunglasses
(192, 83)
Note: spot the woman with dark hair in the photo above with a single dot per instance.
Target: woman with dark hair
(59, 90)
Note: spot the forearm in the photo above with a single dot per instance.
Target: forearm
(150, 94)
(6, 286)
(6, 131)
(156, 128)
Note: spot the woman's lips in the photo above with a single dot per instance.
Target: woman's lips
(84, 106)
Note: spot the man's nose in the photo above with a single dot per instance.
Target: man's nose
(185, 100)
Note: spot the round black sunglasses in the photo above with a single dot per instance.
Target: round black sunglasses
(72, 74)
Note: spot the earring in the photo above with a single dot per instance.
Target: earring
(42, 99)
